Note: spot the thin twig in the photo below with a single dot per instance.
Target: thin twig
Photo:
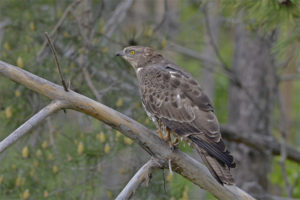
(56, 61)
(164, 180)
(90, 84)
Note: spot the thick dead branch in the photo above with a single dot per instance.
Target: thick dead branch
(142, 175)
(193, 54)
(181, 162)
(260, 143)
(30, 124)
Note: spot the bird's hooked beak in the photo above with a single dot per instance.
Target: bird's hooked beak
(120, 53)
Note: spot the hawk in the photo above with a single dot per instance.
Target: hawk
(174, 100)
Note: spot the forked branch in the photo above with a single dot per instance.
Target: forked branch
(141, 176)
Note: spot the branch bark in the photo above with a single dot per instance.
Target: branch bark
(30, 124)
(142, 175)
(181, 162)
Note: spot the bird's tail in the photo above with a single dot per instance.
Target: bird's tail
(220, 170)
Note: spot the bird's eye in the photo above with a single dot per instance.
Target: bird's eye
(132, 52)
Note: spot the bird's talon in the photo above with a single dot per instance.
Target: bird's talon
(173, 145)
(173, 148)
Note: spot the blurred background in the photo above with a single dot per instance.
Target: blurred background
(244, 53)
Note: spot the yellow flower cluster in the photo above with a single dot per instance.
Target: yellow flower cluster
(20, 62)
(25, 152)
(50, 156)
(101, 137)
(17, 93)
(118, 135)
(54, 169)
(45, 144)
(8, 112)
(46, 194)
(80, 148)
(38, 153)
(25, 195)
(107, 148)
(119, 102)
(128, 141)
(20, 181)
(185, 195)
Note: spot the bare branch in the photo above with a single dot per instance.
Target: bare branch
(212, 41)
(90, 84)
(164, 18)
(290, 77)
(259, 143)
(30, 124)
(117, 17)
(56, 61)
(181, 162)
(142, 175)
(191, 53)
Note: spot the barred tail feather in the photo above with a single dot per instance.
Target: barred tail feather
(219, 171)
(218, 162)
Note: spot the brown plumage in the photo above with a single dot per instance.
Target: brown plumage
(174, 100)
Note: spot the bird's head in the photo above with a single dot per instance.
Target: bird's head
(137, 56)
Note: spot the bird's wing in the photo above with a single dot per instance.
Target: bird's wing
(174, 97)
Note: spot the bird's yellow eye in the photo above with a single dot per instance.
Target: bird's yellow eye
(132, 52)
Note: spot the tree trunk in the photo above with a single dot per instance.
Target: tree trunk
(251, 106)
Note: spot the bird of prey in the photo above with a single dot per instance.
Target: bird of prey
(174, 100)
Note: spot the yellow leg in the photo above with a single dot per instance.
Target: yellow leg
(167, 138)
(160, 134)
